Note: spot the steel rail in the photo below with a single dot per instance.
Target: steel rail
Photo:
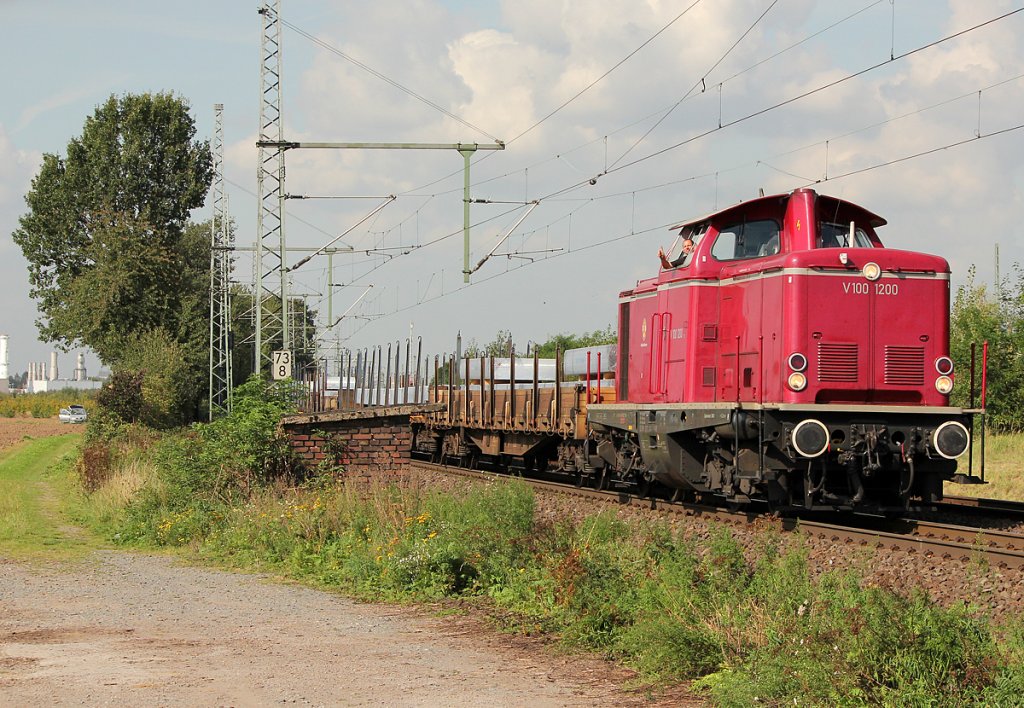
(982, 506)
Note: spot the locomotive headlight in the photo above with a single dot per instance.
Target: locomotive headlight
(797, 381)
(944, 365)
(798, 362)
(944, 385)
(871, 271)
(950, 439)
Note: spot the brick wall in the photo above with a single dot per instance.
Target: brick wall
(373, 444)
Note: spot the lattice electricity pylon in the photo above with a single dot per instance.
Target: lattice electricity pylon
(271, 322)
(221, 243)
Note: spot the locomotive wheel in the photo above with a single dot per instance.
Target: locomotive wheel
(643, 488)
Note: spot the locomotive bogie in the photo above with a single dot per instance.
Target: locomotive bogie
(812, 458)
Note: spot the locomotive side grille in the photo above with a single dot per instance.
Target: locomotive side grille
(837, 362)
(904, 366)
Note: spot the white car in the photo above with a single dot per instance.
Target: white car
(72, 414)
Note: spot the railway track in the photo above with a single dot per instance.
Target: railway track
(946, 542)
(978, 506)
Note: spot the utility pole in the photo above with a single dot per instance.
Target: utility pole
(220, 279)
(270, 241)
(271, 251)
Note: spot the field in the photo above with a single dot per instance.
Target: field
(1004, 458)
(13, 430)
(41, 405)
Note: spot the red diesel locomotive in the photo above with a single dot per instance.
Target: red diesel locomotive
(791, 356)
(786, 356)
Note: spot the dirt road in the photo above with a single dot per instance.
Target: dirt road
(127, 629)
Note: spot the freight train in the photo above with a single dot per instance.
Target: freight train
(784, 356)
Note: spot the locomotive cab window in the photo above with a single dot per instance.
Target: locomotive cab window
(748, 239)
(839, 236)
(694, 233)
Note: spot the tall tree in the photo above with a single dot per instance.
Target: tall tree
(105, 232)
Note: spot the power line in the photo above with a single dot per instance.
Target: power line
(785, 102)
(700, 82)
(606, 73)
(406, 249)
(634, 233)
(659, 112)
(370, 70)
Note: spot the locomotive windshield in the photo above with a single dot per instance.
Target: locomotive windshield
(747, 239)
(838, 236)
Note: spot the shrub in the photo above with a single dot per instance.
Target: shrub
(168, 385)
(121, 396)
(94, 465)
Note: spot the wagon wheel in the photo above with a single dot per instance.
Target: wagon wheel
(578, 478)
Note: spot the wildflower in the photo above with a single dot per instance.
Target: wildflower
(432, 534)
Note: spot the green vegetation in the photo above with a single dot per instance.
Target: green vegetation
(34, 476)
(499, 346)
(1002, 468)
(746, 625)
(41, 405)
(114, 263)
(105, 232)
(979, 315)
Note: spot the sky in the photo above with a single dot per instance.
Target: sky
(620, 117)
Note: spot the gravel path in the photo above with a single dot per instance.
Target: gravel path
(133, 629)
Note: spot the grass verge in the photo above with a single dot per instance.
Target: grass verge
(1003, 457)
(35, 479)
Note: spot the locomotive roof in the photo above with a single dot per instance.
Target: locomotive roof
(830, 203)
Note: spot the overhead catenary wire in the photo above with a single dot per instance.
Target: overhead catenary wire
(765, 161)
(578, 249)
(660, 112)
(330, 243)
(404, 250)
(794, 45)
(779, 104)
(700, 82)
(370, 70)
(785, 102)
(603, 76)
